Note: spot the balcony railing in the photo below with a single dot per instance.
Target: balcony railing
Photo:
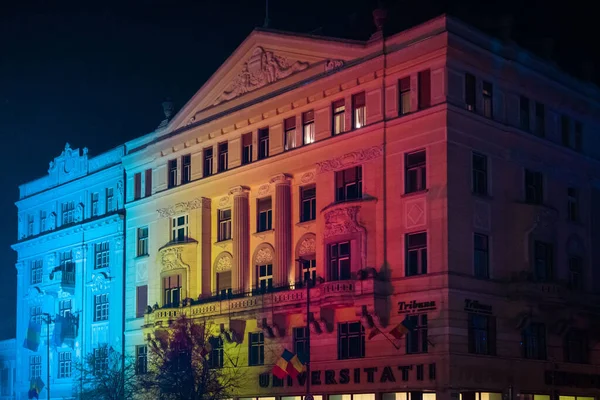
(60, 279)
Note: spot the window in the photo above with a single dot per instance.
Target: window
(64, 364)
(224, 230)
(137, 186)
(257, 349)
(351, 340)
(35, 367)
(289, 133)
(543, 255)
(224, 282)
(480, 174)
(172, 290)
(481, 256)
(533, 341)
(172, 173)
(110, 200)
(68, 212)
(308, 127)
(208, 162)
(148, 184)
(102, 254)
(416, 339)
(575, 272)
(43, 217)
(339, 116)
(301, 342)
(215, 358)
(488, 100)
(101, 307)
(540, 119)
(525, 123)
(141, 360)
(348, 184)
(359, 110)
(94, 207)
(142, 241)
(339, 261)
(67, 267)
(35, 315)
(246, 148)
(309, 271)
(30, 223)
(141, 300)
(223, 162)
(308, 203)
(565, 130)
(264, 274)
(36, 272)
(470, 92)
(424, 82)
(482, 334)
(572, 205)
(179, 228)
(265, 214)
(576, 347)
(65, 308)
(534, 187)
(416, 254)
(263, 143)
(100, 359)
(415, 171)
(578, 139)
(186, 168)
(404, 101)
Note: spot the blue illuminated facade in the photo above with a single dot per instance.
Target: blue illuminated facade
(70, 267)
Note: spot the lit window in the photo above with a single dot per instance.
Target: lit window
(179, 228)
(186, 168)
(308, 127)
(289, 133)
(264, 274)
(404, 101)
(172, 290)
(359, 110)
(263, 143)
(208, 162)
(223, 157)
(339, 122)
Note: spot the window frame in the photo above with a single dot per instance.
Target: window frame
(264, 216)
(141, 359)
(186, 168)
(359, 110)
(534, 187)
(525, 113)
(36, 271)
(289, 133)
(308, 205)
(404, 90)
(172, 171)
(223, 160)
(480, 174)
(101, 255)
(137, 186)
(141, 292)
(346, 332)
(487, 94)
(207, 161)
(415, 173)
(417, 341)
(217, 351)
(224, 231)
(481, 251)
(101, 307)
(94, 210)
(256, 349)
(422, 254)
(572, 204)
(338, 117)
(470, 92)
(482, 337)
(264, 280)
(308, 127)
(335, 270)
(142, 234)
(346, 188)
(263, 143)
(247, 148)
(176, 227)
(64, 364)
(547, 257)
(172, 295)
(533, 341)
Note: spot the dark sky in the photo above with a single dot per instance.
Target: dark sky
(95, 75)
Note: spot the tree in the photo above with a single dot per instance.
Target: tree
(187, 362)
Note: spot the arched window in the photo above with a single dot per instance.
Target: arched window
(263, 263)
(307, 260)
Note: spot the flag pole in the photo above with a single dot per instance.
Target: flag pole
(307, 281)
(48, 320)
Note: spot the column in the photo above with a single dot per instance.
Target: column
(283, 229)
(241, 239)
(205, 247)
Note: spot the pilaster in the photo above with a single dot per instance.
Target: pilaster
(283, 229)
(241, 239)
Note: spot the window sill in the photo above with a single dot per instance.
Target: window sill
(262, 233)
(222, 242)
(417, 193)
(306, 223)
(142, 256)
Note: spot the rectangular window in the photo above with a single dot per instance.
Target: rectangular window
(30, 223)
(416, 254)
(224, 283)
(424, 82)
(533, 341)
(148, 183)
(102, 255)
(256, 354)
(416, 339)
(137, 186)
(265, 214)
(565, 130)
(534, 187)
(415, 166)
(359, 110)
(308, 127)
(94, 206)
(224, 231)
(339, 261)
(142, 241)
(482, 334)
(301, 342)
(246, 148)
(481, 256)
(67, 266)
(186, 168)
(572, 205)
(488, 100)
(470, 92)
(141, 360)
(172, 173)
(264, 274)
(543, 255)
(540, 119)
(576, 347)
(339, 116)
(289, 133)
(172, 290)
(37, 269)
(308, 203)
(263, 143)
(100, 359)
(179, 229)
(351, 340)
(35, 367)
(110, 200)
(43, 218)
(348, 184)
(309, 271)
(223, 156)
(208, 162)
(215, 357)
(101, 307)
(480, 174)
(525, 122)
(141, 297)
(68, 212)
(65, 309)
(578, 136)
(404, 100)
(64, 364)
(35, 315)
(575, 272)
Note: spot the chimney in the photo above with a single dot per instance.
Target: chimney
(168, 108)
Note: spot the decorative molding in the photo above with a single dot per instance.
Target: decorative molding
(264, 189)
(170, 258)
(223, 262)
(264, 254)
(350, 159)
(308, 245)
(224, 201)
(330, 65)
(206, 203)
(415, 213)
(280, 179)
(79, 216)
(118, 243)
(141, 272)
(179, 208)
(308, 177)
(78, 253)
(262, 68)
(341, 221)
(239, 191)
(100, 282)
(52, 221)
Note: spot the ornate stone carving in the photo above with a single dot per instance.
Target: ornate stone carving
(206, 202)
(79, 213)
(179, 208)
(264, 255)
(239, 191)
(350, 159)
(100, 282)
(141, 272)
(280, 178)
(341, 221)
(52, 221)
(330, 65)
(263, 68)
(308, 177)
(118, 243)
(78, 253)
(415, 214)
(307, 246)
(170, 258)
(223, 262)
(264, 189)
(224, 201)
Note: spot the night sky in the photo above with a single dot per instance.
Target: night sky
(95, 75)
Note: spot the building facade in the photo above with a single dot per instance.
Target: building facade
(69, 267)
(438, 177)
(7, 369)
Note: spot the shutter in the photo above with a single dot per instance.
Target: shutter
(358, 100)
(290, 123)
(404, 84)
(424, 89)
(308, 117)
(337, 104)
(247, 139)
(148, 182)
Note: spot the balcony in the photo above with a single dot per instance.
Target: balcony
(60, 280)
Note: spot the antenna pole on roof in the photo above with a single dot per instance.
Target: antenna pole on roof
(266, 24)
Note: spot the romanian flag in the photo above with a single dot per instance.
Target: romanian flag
(373, 332)
(402, 329)
(35, 388)
(206, 349)
(288, 364)
(32, 341)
